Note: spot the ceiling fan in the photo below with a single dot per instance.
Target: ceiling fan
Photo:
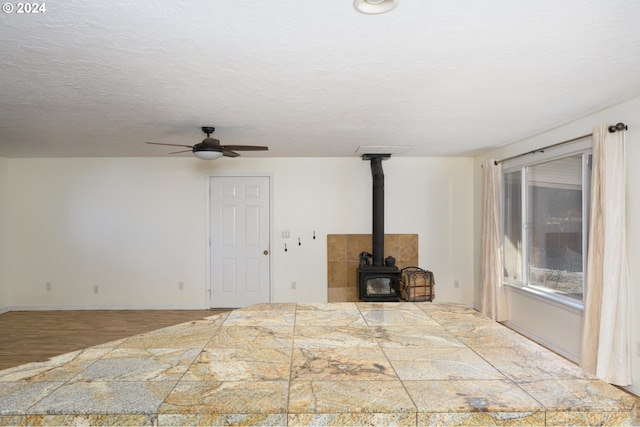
(210, 148)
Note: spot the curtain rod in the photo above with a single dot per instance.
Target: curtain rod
(612, 129)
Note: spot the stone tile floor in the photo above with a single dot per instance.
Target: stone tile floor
(315, 364)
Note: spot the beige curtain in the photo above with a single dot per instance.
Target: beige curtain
(493, 301)
(606, 335)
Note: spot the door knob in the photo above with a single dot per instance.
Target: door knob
(266, 252)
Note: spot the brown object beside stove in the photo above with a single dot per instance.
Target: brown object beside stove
(417, 284)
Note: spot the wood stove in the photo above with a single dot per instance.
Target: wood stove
(378, 283)
(381, 280)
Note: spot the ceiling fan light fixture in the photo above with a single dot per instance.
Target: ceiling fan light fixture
(207, 154)
(211, 149)
(373, 7)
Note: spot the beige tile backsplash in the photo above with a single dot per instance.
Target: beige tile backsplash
(343, 256)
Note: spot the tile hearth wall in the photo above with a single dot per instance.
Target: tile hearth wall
(343, 257)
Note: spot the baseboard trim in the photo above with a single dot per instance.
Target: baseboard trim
(107, 307)
(635, 389)
(4, 310)
(523, 331)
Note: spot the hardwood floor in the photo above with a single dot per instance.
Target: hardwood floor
(32, 336)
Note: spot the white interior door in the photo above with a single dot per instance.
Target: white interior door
(240, 231)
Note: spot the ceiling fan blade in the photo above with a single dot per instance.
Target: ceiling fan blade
(183, 151)
(229, 153)
(171, 145)
(245, 147)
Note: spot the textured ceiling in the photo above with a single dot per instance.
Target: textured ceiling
(308, 78)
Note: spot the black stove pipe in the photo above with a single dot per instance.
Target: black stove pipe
(377, 241)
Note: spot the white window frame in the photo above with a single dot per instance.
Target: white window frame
(520, 164)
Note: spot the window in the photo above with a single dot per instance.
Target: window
(545, 225)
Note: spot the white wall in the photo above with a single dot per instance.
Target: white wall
(4, 188)
(550, 323)
(132, 227)
(136, 227)
(625, 112)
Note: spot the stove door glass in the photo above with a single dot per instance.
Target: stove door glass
(380, 286)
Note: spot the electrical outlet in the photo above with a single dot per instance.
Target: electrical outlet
(286, 234)
(47, 286)
(180, 286)
(95, 289)
(456, 284)
(294, 285)
(638, 349)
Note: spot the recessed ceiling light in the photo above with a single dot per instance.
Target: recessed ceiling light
(372, 7)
